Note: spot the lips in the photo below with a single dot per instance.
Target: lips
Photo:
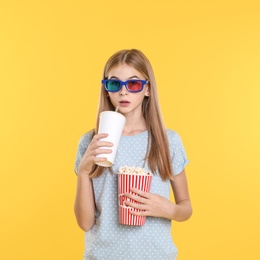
(124, 103)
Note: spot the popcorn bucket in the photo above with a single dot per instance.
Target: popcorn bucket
(125, 181)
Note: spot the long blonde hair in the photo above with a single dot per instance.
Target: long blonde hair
(158, 154)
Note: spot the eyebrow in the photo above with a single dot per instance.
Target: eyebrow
(133, 77)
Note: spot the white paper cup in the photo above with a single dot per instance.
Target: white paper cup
(111, 123)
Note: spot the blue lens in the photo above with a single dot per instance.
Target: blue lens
(113, 85)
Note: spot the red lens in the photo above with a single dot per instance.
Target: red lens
(134, 85)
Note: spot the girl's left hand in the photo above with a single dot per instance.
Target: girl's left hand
(151, 204)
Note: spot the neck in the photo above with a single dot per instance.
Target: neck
(134, 125)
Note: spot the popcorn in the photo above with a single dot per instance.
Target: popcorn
(133, 170)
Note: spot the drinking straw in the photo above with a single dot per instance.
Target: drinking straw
(117, 107)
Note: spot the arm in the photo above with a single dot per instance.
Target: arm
(84, 206)
(182, 210)
(158, 206)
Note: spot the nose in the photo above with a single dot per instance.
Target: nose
(123, 91)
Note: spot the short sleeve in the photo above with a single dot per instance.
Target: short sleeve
(82, 147)
(178, 154)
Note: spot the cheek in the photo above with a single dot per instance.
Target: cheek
(140, 99)
(112, 97)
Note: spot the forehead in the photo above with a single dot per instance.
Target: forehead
(124, 71)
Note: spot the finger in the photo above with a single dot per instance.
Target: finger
(99, 159)
(136, 197)
(139, 213)
(102, 151)
(135, 205)
(140, 192)
(104, 143)
(100, 136)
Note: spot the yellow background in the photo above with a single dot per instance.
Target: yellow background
(206, 58)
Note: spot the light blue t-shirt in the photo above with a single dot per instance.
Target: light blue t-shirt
(112, 241)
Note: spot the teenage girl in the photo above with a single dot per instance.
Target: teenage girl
(128, 81)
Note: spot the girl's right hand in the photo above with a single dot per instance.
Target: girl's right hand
(89, 158)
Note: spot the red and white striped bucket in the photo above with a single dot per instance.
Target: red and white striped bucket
(125, 181)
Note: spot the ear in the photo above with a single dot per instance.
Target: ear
(147, 92)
